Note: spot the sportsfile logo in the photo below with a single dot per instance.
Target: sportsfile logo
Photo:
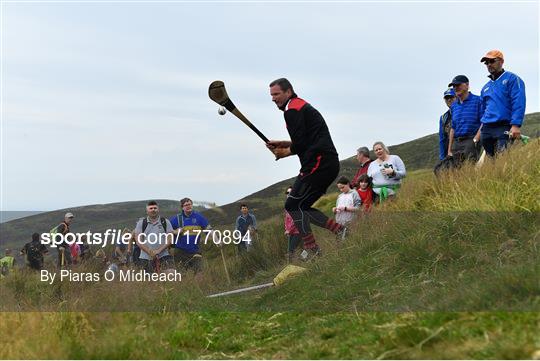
(110, 236)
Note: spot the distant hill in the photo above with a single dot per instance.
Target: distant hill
(97, 217)
(421, 153)
(6, 216)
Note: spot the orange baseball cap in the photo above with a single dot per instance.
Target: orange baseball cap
(493, 54)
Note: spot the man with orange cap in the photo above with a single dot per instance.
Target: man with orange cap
(503, 98)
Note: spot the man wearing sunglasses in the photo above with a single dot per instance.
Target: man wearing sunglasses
(504, 100)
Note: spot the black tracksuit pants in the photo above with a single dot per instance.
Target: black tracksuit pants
(307, 189)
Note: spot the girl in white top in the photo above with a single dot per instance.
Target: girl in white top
(386, 171)
(347, 204)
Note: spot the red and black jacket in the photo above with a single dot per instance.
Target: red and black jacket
(310, 136)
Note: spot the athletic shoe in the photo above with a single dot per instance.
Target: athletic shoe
(312, 254)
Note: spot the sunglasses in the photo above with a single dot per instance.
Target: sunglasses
(490, 61)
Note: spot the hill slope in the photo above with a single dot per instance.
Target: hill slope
(421, 153)
(458, 257)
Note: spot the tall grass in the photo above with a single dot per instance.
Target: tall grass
(468, 242)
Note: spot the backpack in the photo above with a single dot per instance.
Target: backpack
(33, 251)
(162, 220)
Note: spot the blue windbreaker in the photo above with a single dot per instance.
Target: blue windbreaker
(190, 225)
(504, 99)
(444, 131)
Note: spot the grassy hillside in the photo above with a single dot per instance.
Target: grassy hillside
(421, 153)
(418, 154)
(457, 258)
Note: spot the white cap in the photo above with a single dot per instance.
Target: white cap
(69, 215)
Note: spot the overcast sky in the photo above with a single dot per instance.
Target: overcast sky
(108, 102)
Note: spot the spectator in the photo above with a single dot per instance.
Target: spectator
(466, 114)
(134, 252)
(365, 191)
(504, 100)
(153, 236)
(291, 232)
(7, 264)
(386, 172)
(85, 254)
(34, 251)
(362, 156)
(64, 253)
(75, 250)
(347, 204)
(445, 123)
(245, 223)
(189, 225)
(120, 253)
(100, 260)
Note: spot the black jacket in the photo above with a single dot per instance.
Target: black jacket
(309, 134)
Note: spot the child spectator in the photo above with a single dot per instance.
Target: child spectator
(348, 202)
(292, 232)
(75, 251)
(365, 191)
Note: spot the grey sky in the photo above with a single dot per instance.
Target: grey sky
(108, 102)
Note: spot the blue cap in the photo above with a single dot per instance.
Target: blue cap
(449, 93)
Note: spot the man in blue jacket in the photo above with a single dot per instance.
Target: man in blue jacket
(188, 227)
(445, 123)
(504, 101)
(445, 126)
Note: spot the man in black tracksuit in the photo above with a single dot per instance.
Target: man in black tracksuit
(311, 141)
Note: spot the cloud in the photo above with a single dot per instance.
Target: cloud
(118, 92)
